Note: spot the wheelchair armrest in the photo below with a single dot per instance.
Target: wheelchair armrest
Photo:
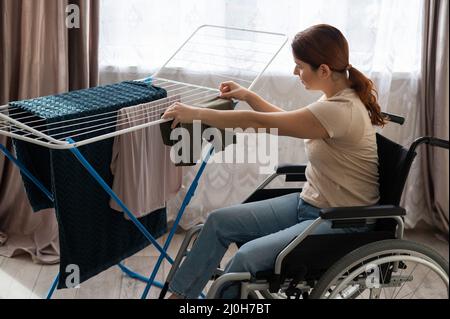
(290, 169)
(368, 212)
(294, 173)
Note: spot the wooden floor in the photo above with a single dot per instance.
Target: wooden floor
(21, 279)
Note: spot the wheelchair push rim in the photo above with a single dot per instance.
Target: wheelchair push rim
(393, 269)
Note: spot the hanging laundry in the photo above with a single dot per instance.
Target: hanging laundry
(189, 154)
(144, 176)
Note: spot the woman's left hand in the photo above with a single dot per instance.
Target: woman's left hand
(181, 113)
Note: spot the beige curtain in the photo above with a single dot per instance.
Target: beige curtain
(434, 113)
(39, 56)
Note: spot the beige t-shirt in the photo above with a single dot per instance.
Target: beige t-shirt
(342, 170)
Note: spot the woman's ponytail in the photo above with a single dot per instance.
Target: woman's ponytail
(366, 91)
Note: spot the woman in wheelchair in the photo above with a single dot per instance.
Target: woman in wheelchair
(341, 146)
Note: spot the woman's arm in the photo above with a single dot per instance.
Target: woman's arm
(300, 123)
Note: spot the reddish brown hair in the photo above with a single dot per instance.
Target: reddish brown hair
(324, 44)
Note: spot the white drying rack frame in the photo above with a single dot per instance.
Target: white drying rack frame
(21, 130)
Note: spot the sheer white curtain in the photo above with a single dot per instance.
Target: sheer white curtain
(138, 36)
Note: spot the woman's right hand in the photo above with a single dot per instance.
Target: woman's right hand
(232, 90)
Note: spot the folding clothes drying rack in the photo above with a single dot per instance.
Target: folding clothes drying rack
(246, 55)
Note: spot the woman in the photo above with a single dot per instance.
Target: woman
(342, 169)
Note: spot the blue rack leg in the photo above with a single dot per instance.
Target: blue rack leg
(186, 201)
(111, 193)
(150, 281)
(53, 288)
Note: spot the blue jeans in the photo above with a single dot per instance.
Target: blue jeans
(265, 228)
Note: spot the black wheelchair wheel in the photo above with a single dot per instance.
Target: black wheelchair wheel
(391, 269)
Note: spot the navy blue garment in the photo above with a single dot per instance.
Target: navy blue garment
(92, 235)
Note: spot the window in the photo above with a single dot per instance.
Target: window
(384, 35)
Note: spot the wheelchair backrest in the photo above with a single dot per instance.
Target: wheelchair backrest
(394, 165)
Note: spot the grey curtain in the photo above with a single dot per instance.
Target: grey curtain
(434, 112)
(39, 56)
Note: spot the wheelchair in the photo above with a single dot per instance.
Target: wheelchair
(375, 264)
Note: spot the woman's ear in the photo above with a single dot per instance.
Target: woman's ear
(324, 71)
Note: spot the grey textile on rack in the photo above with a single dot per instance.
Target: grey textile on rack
(92, 235)
(189, 154)
(145, 178)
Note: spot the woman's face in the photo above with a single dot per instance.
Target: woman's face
(307, 75)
